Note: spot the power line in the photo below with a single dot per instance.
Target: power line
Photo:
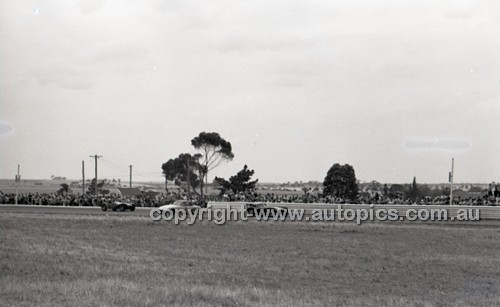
(120, 167)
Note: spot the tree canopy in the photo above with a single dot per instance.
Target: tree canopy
(340, 181)
(213, 150)
(64, 189)
(183, 170)
(414, 191)
(397, 190)
(241, 182)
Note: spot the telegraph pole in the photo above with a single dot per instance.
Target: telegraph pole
(18, 179)
(130, 182)
(451, 180)
(96, 157)
(188, 178)
(83, 177)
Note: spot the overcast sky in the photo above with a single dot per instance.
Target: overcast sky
(394, 88)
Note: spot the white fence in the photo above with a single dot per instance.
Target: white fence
(485, 212)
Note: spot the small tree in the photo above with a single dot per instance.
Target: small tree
(64, 189)
(223, 185)
(340, 181)
(414, 190)
(241, 182)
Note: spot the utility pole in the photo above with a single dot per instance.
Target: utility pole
(83, 177)
(18, 179)
(451, 180)
(96, 157)
(188, 178)
(130, 181)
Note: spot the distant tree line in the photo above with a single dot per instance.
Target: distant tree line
(191, 172)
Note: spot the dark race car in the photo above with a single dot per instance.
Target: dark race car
(118, 205)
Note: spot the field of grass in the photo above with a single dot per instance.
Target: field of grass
(55, 259)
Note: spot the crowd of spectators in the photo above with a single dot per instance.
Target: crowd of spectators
(485, 200)
(69, 199)
(57, 199)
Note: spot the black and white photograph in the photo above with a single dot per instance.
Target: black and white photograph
(249, 153)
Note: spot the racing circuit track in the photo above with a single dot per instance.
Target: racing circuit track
(70, 210)
(486, 213)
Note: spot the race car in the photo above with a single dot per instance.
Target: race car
(118, 205)
(253, 208)
(181, 205)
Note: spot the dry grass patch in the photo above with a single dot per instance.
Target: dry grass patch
(98, 260)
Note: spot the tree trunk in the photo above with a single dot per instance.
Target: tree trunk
(201, 184)
(206, 183)
(206, 173)
(201, 187)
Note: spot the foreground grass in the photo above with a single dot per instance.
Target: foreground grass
(84, 260)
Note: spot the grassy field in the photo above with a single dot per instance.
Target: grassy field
(52, 259)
